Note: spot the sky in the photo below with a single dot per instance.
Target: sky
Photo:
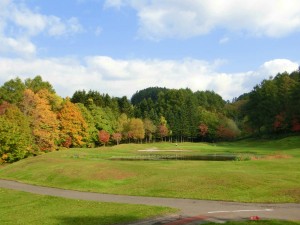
(122, 46)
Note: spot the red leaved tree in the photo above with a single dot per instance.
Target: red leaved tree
(163, 131)
(203, 128)
(225, 133)
(295, 125)
(117, 137)
(103, 137)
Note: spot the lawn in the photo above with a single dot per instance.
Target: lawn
(271, 176)
(25, 208)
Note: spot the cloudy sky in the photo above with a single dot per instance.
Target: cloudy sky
(121, 46)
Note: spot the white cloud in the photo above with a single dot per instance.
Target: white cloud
(124, 77)
(275, 66)
(18, 24)
(114, 3)
(21, 46)
(58, 28)
(188, 18)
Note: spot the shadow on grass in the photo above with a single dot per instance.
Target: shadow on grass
(93, 220)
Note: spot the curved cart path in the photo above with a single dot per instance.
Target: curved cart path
(190, 210)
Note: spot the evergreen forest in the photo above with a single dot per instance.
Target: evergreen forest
(35, 119)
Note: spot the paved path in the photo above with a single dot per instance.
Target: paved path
(191, 211)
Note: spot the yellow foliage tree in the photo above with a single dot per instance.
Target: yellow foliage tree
(73, 127)
(43, 120)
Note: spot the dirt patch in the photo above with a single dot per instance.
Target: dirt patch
(293, 193)
(158, 150)
(111, 174)
(272, 157)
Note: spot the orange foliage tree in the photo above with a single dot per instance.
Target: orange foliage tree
(43, 120)
(73, 127)
(203, 129)
(117, 137)
(103, 137)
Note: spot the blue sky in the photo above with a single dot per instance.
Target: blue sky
(121, 46)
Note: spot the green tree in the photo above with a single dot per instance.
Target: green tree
(12, 142)
(104, 118)
(262, 106)
(210, 100)
(150, 129)
(16, 141)
(125, 106)
(80, 97)
(12, 91)
(211, 120)
(92, 130)
(36, 84)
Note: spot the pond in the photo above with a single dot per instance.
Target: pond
(157, 157)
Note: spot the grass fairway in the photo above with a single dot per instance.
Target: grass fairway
(25, 208)
(272, 177)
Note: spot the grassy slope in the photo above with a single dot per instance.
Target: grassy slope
(270, 179)
(25, 208)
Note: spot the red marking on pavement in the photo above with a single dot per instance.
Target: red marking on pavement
(186, 220)
(254, 218)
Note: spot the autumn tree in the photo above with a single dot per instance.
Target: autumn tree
(163, 130)
(227, 130)
(123, 125)
(72, 124)
(103, 137)
(117, 137)
(203, 130)
(43, 120)
(136, 129)
(150, 128)
(53, 99)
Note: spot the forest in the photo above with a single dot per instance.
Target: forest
(35, 119)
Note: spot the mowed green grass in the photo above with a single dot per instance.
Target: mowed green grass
(273, 178)
(24, 208)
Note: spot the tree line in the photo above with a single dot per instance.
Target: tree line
(35, 119)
